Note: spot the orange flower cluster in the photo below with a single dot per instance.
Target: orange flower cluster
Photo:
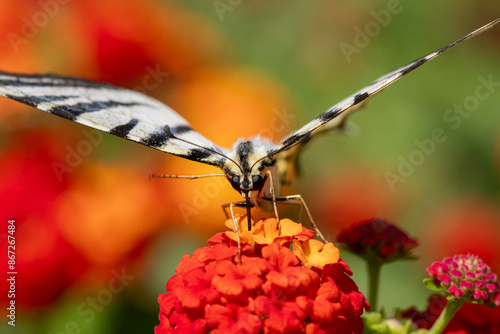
(274, 289)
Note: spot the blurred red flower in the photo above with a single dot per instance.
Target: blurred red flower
(47, 264)
(72, 222)
(353, 194)
(134, 44)
(463, 225)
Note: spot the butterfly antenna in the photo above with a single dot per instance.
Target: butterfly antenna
(189, 177)
(207, 149)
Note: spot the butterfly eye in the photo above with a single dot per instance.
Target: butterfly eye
(235, 181)
(258, 182)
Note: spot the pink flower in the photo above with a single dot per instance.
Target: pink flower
(466, 275)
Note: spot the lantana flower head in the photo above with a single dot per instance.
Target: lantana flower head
(285, 283)
(377, 239)
(465, 276)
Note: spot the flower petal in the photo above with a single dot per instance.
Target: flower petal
(314, 253)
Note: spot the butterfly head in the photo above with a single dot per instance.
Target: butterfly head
(246, 183)
(247, 170)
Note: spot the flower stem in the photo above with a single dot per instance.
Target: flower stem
(373, 279)
(445, 316)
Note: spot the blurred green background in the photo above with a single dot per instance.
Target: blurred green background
(296, 52)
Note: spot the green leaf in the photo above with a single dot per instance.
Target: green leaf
(431, 285)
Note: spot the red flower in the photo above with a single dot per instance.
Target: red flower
(468, 276)
(377, 239)
(470, 319)
(273, 289)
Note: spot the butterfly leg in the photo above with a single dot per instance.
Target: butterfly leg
(236, 228)
(298, 200)
(299, 215)
(225, 206)
(305, 207)
(273, 199)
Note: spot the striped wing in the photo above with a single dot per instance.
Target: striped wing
(335, 116)
(118, 111)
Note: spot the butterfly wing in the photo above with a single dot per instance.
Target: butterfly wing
(121, 112)
(336, 115)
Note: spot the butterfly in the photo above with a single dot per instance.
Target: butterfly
(256, 168)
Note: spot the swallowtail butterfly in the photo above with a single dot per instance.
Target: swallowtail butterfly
(255, 167)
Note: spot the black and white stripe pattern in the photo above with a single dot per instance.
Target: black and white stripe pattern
(121, 112)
